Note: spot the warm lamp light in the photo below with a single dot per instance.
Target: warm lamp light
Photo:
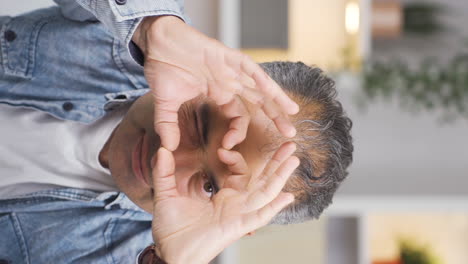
(352, 18)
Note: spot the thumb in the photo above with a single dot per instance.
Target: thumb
(164, 182)
(166, 124)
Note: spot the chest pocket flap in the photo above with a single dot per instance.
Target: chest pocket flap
(18, 37)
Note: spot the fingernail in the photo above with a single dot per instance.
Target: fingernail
(222, 150)
(229, 146)
(295, 109)
(293, 146)
(224, 154)
(293, 132)
(297, 161)
(290, 132)
(290, 198)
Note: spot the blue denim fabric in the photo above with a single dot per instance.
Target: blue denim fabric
(54, 63)
(72, 226)
(73, 70)
(122, 19)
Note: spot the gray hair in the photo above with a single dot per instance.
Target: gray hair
(323, 138)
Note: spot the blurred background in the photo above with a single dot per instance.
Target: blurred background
(401, 70)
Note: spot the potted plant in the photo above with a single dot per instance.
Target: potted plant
(422, 18)
(411, 253)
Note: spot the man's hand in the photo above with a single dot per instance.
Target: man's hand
(181, 64)
(188, 230)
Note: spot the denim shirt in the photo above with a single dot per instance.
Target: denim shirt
(63, 61)
(72, 226)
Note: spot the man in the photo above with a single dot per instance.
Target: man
(91, 222)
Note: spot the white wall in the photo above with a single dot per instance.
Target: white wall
(204, 15)
(399, 152)
(299, 243)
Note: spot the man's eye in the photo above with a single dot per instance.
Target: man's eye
(208, 187)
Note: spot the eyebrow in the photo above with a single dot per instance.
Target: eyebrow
(205, 120)
(205, 116)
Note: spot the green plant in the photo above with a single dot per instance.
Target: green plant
(410, 253)
(422, 18)
(430, 86)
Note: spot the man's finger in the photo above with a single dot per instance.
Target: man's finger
(246, 80)
(164, 182)
(282, 123)
(255, 97)
(166, 125)
(263, 216)
(283, 152)
(222, 91)
(268, 86)
(251, 75)
(234, 160)
(275, 182)
(237, 132)
(240, 119)
(270, 186)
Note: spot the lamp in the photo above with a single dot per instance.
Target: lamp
(352, 17)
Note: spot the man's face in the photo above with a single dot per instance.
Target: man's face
(199, 172)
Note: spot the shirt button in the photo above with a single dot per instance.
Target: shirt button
(121, 97)
(67, 106)
(10, 36)
(121, 2)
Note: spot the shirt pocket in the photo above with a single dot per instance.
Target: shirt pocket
(18, 39)
(12, 246)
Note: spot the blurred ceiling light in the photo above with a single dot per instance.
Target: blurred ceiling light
(352, 18)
